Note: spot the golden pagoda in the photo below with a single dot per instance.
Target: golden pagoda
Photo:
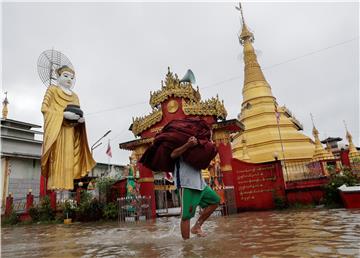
(320, 153)
(354, 154)
(270, 130)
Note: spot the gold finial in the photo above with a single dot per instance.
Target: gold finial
(348, 136)
(314, 130)
(245, 34)
(241, 12)
(312, 119)
(5, 110)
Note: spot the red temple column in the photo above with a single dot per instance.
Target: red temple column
(222, 141)
(52, 195)
(146, 181)
(43, 185)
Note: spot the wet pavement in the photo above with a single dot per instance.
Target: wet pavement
(291, 233)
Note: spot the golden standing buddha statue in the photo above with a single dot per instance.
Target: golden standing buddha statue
(65, 155)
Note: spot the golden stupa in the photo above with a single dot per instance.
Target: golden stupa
(265, 137)
(320, 153)
(354, 154)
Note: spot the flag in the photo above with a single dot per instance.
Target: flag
(168, 176)
(277, 114)
(108, 151)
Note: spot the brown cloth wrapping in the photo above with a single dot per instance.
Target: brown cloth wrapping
(175, 134)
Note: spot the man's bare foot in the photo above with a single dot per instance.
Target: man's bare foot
(196, 230)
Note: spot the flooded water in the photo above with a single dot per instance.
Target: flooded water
(306, 233)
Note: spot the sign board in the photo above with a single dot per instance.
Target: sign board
(257, 185)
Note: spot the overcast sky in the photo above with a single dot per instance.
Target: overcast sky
(309, 53)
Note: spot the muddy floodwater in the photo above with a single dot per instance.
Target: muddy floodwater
(305, 233)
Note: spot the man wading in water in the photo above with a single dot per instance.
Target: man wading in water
(193, 192)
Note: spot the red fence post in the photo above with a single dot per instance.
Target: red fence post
(9, 204)
(78, 195)
(53, 200)
(29, 201)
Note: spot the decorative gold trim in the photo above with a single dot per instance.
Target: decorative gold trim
(221, 136)
(140, 150)
(156, 129)
(192, 104)
(172, 106)
(132, 145)
(146, 180)
(210, 107)
(226, 168)
(173, 87)
(140, 124)
(164, 187)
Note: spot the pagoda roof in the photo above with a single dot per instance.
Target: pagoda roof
(191, 103)
(331, 139)
(131, 145)
(232, 125)
(173, 87)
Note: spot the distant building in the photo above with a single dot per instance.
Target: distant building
(105, 169)
(20, 158)
(332, 145)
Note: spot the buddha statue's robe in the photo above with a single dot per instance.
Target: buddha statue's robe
(65, 154)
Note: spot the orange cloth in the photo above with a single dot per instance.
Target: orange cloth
(176, 133)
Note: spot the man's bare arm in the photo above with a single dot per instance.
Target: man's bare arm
(192, 141)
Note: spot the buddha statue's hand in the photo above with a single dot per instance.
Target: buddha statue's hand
(81, 120)
(71, 116)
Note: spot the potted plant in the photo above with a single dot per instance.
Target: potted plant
(69, 210)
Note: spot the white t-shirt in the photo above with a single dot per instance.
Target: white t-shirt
(188, 177)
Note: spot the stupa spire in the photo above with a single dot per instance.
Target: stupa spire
(253, 72)
(353, 152)
(265, 131)
(320, 152)
(246, 34)
(5, 110)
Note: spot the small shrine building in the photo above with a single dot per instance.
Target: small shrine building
(177, 100)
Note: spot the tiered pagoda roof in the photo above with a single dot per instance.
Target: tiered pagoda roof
(191, 103)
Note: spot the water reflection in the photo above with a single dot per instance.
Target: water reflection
(319, 233)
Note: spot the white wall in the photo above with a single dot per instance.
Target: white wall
(24, 175)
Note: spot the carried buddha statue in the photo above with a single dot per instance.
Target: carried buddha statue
(65, 154)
